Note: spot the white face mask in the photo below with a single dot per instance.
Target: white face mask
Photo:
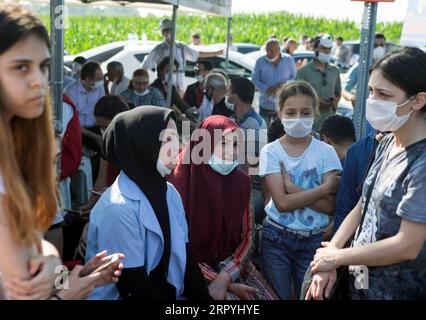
(229, 105)
(162, 169)
(199, 78)
(382, 115)
(273, 59)
(144, 93)
(298, 128)
(378, 53)
(323, 57)
(174, 78)
(76, 67)
(221, 166)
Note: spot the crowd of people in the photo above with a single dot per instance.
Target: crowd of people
(257, 205)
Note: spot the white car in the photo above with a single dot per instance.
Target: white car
(133, 55)
(104, 52)
(131, 58)
(241, 47)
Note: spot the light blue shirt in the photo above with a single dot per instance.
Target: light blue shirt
(306, 172)
(267, 75)
(254, 131)
(123, 221)
(69, 80)
(351, 78)
(85, 102)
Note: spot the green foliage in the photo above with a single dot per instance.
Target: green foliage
(85, 32)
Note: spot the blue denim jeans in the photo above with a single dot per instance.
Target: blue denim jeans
(285, 258)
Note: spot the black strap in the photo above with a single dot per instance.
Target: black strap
(55, 226)
(56, 296)
(370, 190)
(135, 284)
(195, 287)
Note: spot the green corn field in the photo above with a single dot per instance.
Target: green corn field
(85, 32)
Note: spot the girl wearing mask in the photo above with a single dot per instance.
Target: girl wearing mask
(301, 177)
(142, 214)
(217, 200)
(140, 94)
(387, 258)
(27, 178)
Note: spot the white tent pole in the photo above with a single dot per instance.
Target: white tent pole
(171, 58)
(57, 55)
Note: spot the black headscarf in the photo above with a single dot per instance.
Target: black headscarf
(132, 142)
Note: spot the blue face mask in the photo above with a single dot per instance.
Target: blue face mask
(222, 166)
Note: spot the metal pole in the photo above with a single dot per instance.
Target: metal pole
(365, 60)
(57, 56)
(172, 58)
(228, 40)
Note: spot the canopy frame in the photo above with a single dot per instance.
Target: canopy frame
(57, 9)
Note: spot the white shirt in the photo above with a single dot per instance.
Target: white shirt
(118, 88)
(183, 53)
(123, 221)
(67, 114)
(306, 172)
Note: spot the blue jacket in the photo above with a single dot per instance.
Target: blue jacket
(354, 170)
(123, 221)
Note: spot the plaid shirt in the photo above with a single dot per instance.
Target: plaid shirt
(236, 264)
(153, 98)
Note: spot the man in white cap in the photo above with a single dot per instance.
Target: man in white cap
(324, 77)
(182, 53)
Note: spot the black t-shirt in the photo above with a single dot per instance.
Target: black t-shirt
(176, 98)
(220, 109)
